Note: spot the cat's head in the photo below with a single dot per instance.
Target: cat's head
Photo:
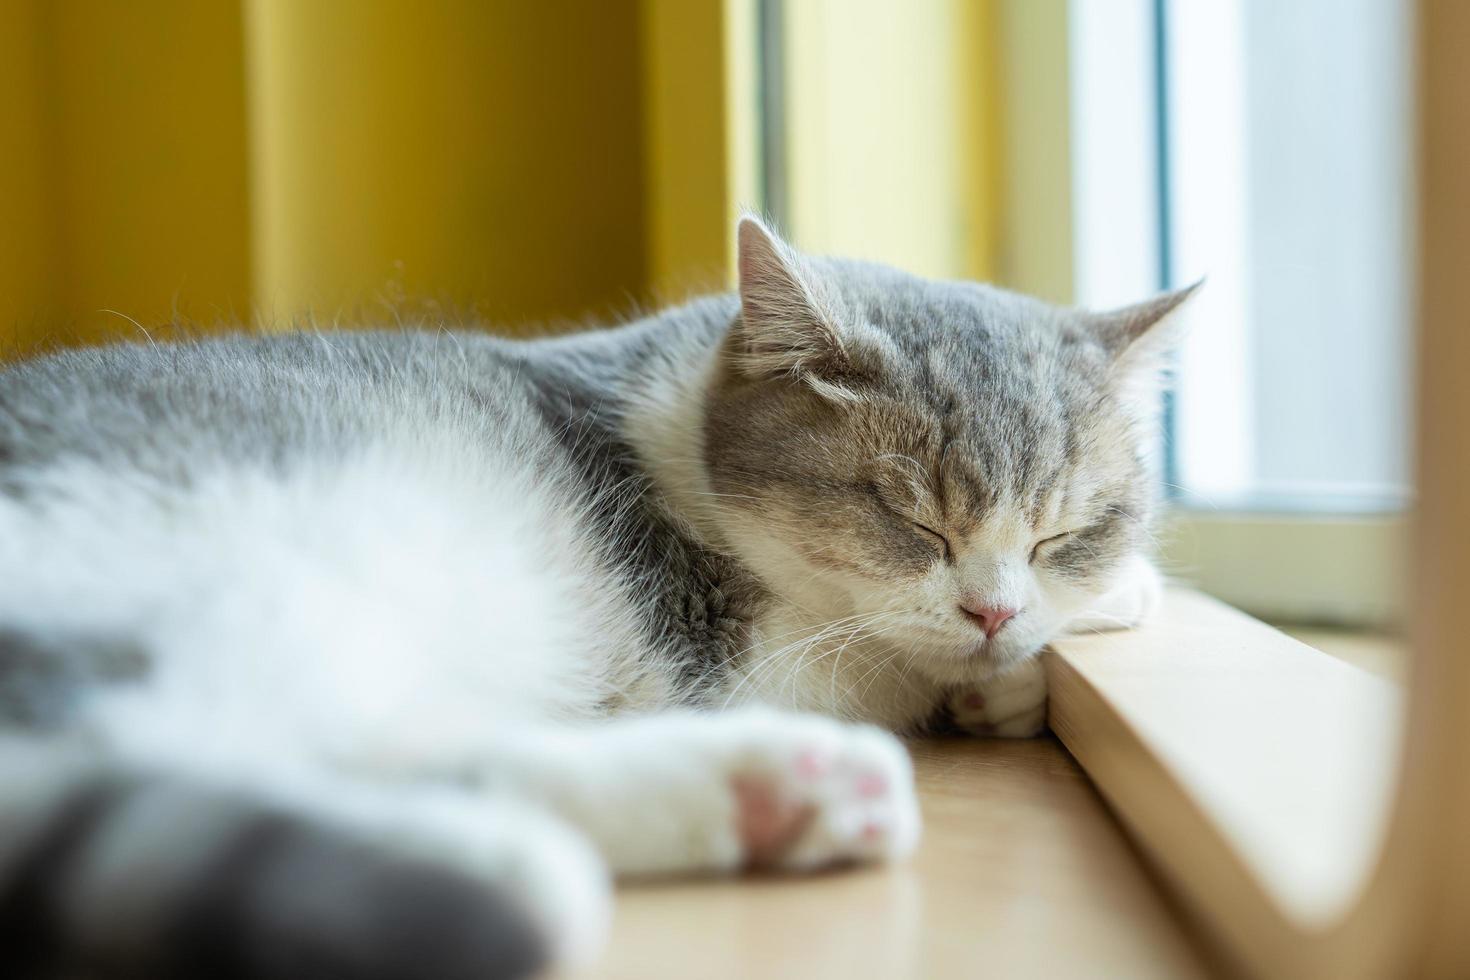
(961, 468)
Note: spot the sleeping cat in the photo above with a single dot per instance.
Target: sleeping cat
(374, 654)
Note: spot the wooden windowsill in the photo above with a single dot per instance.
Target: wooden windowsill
(1250, 767)
(1254, 769)
(1021, 872)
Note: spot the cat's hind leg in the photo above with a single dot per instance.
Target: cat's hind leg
(520, 849)
(123, 870)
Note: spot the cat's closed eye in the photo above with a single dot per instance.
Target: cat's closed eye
(1047, 543)
(935, 538)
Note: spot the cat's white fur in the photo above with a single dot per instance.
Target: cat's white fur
(296, 594)
(301, 604)
(290, 620)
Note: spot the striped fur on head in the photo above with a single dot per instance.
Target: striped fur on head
(900, 447)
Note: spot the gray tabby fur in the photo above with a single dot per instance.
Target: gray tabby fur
(839, 453)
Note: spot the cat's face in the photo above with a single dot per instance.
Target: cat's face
(958, 468)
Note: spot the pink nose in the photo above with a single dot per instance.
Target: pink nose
(988, 618)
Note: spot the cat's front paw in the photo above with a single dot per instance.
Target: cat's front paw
(1138, 593)
(1009, 705)
(819, 792)
(752, 788)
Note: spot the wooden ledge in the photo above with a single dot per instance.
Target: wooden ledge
(1255, 770)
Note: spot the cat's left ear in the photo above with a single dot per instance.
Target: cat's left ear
(1139, 336)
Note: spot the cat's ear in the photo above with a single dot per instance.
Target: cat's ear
(1139, 338)
(1139, 335)
(785, 329)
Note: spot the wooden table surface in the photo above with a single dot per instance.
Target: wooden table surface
(1022, 873)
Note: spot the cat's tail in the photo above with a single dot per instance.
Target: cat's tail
(116, 874)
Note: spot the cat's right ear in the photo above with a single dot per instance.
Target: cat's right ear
(784, 328)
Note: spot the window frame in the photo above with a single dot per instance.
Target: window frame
(1348, 569)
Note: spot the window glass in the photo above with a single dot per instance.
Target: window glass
(1287, 137)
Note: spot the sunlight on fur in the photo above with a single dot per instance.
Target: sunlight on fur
(311, 630)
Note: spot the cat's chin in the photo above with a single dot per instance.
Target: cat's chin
(974, 663)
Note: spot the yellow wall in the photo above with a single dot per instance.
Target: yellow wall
(934, 135)
(1035, 221)
(230, 160)
(126, 181)
(518, 161)
(889, 115)
(700, 87)
(27, 289)
(148, 158)
(486, 157)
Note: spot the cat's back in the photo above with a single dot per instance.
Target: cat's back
(264, 400)
(279, 501)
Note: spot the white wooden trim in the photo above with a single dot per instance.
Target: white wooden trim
(1338, 569)
(1114, 152)
(1214, 404)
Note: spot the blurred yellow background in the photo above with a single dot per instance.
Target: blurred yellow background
(516, 162)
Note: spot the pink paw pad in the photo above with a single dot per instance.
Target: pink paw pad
(870, 785)
(812, 764)
(767, 824)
